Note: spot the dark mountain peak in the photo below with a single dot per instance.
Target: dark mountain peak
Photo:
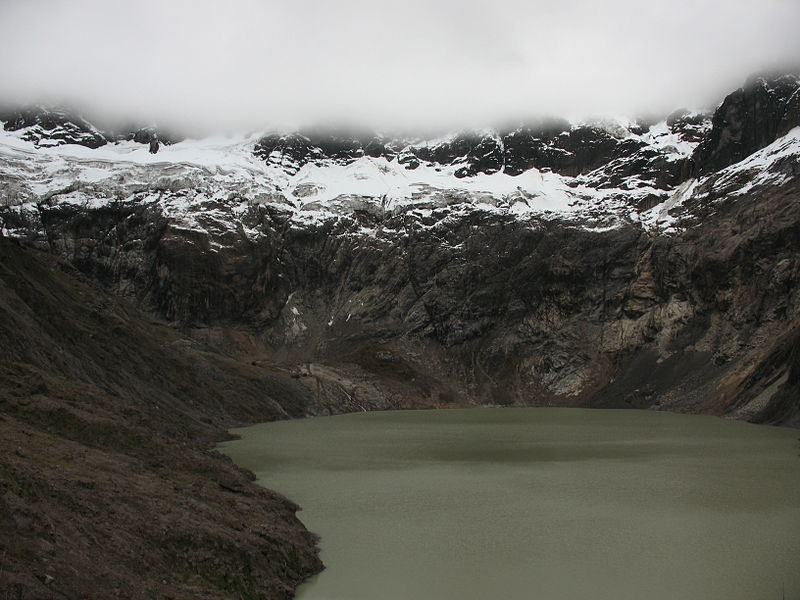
(553, 144)
(779, 81)
(47, 126)
(290, 151)
(52, 126)
(749, 119)
(763, 109)
(143, 134)
(546, 128)
(691, 126)
(550, 144)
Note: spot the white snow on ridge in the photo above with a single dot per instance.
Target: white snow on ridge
(659, 216)
(661, 138)
(212, 153)
(209, 184)
(219, 167)
(762, 167)
(396, 185)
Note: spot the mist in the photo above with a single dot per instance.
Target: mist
(465, 63)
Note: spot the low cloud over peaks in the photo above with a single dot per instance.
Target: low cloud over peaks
(249, 63)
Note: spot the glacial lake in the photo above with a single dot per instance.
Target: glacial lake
(538, 504)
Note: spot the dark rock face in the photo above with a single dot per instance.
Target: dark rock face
(477, 309)
(295, 148)
(534, 145)
(523, 150)
(49, 127)
(584, 149)
(146, 135)
(647, 165)
(691, 127)
(572, 153)
(552, 144)
(749, 119)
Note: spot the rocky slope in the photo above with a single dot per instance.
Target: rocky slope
(609, 264)
(108, 485)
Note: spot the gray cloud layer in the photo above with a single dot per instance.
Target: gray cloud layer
(436, 62)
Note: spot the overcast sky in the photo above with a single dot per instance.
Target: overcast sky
(251, 63)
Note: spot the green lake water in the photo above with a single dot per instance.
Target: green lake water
(539, 504)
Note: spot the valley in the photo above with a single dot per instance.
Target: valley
(152, 301)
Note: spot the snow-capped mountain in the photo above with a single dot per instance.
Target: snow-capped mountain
(604, 263)
(596, 175)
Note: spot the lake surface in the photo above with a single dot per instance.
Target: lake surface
(539, 504)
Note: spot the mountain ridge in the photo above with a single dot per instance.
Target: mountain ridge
(541, 144)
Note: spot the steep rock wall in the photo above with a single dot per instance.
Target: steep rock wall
(475, 309)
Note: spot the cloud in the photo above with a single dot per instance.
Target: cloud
(250, 63)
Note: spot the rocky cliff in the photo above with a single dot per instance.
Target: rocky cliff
(608, 263)
(605, 264)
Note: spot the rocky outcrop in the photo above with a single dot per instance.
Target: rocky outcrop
(550, 144)
(690, 126)
(48, 126)
(53, 127)
(146, 135)
(749, 119)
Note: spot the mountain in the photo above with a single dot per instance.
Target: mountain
(613, 263)
(546, 264)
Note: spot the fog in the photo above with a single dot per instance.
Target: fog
(411, 63)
